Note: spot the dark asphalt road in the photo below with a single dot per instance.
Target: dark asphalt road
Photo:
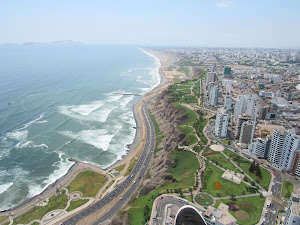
(136, 175)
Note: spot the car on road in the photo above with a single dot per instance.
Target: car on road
(274, 173)
(274, 212)
(161, 197)
(128, 194)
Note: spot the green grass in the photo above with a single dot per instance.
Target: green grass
(189, 99)
(227, 142)
(55, 202)
(287, 189)
(188, 197)
(220, 160)
(184, 70)
(191, 116)
(176, 80)
(76, 204)
(35, 223)
(88, 183)
(190, 137)
(120, 168)
(133, 161)
(110, 183)
(199, 126)
(3, 218)
(206, 198)
(156, 126)
(245, 164)
(211, 175)
(255, 214)
(185, 169)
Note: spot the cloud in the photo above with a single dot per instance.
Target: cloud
(224, 4)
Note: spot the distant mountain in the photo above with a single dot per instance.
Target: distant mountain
(56, 43)
(64, 42)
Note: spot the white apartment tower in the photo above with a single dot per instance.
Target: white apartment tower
(221, 123)
(291, 145)
(228, 102)
(210, 77)
(258, 147)
(276, 146)
(213, 98)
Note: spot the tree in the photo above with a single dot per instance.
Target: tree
(258, 173)
(146, 212)
(252, 167)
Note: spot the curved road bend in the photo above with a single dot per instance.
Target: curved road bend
(139, 170)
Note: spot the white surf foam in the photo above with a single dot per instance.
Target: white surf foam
(17, 135)
(86, 109)
(4, 187)
(126, 100)
(32, 122)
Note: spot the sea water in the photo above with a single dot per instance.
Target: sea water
(58, 102)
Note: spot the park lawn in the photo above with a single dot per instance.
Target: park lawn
(120, 168)
(206, 198)
(190, 136)
(191, 116)
(55, 202)
(256, 202)
(199, 126)
(132, 163)
(220, 160)
(184, 70)
(185, 170)
(287, 189)
(189, 99)
(35, 223)
(188, 197)
(88, 183)
(3, 218)
(211, 175)
(76, 204)
(245, 164)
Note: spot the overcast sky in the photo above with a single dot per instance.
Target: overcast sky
(202, 23)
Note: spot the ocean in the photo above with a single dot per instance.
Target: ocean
(60, 102)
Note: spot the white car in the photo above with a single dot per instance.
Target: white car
(274, 212)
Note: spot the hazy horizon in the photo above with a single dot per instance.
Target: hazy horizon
(210, 24)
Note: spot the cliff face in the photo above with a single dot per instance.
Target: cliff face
(168, 118)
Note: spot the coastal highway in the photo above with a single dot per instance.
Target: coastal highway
(131, 181)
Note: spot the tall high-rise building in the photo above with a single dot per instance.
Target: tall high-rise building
(296, 164)
(293, 212)
(213, 98)
(291, 145)
(228, 102)
(211, 77)
(259, 147)
(221, 124)
(246, 132)
(245, 104)
(276, 147)
(227, 72)
(241, 119)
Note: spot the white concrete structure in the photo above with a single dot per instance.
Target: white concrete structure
(276, 147)
(246, 132)
(245, 104)
(293, 212)
(233, 176)
(228, 102)
(221, 124)
(213, 98)
(291, 145)
(258, 147)
(210, 77)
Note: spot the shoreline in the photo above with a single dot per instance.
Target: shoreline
(26, 204)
